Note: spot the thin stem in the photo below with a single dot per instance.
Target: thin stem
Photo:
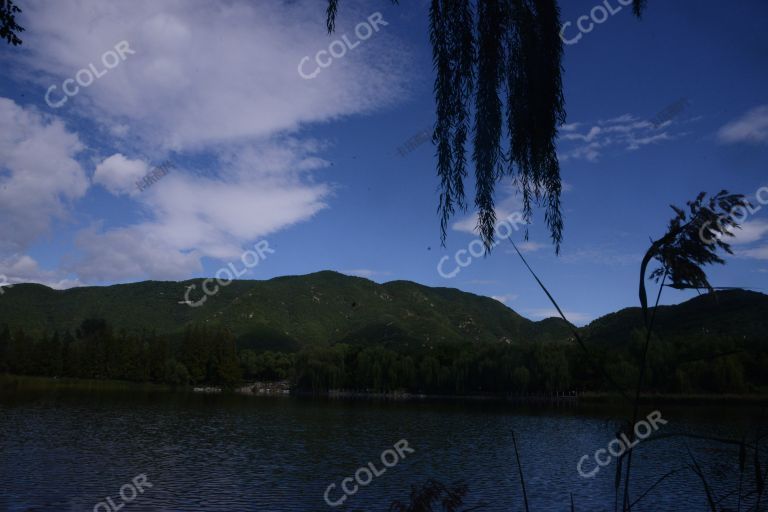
(591, 358)
(643, 366)
(657, 483)
(520, 470)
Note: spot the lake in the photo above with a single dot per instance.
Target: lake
(69, 451)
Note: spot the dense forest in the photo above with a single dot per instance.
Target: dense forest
(205, 355)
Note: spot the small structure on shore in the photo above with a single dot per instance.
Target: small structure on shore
(281, 387)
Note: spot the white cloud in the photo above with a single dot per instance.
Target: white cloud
(505, 299)
(637, 143)
(119, 174)
(572, 316)
(203, 75)
(119, 130)
(751, 231)
(758, 253)
(530, 246)
(467, 224)
(365, 272)
(588, 137)
(569, 127)
(39, 176)
(752, 127)
(191, 217)
(625, 132)
(136, 251)
(504, 208)
(600, 256)
(214, 81)
(24, 269)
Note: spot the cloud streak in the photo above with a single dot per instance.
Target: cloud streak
(751, 128)
(572, 316)
(579, 141)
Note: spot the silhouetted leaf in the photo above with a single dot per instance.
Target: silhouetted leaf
(9, 29)
(508, 55)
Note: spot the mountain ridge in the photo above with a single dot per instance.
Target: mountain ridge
(324, 306)
(331, 307)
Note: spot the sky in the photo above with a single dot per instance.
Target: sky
(263, 144)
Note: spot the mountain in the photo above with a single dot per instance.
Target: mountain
(286, 313)
(735, 313)
(283, 313)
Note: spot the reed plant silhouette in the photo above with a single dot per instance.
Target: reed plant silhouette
(692, 241)
(434, 496)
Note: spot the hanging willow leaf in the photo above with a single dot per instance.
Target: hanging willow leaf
(535, 107)
(487, 154)
(506, 55)
(330, 14)
(9, 29)
(638, 6)
(462, 50)
(453, 59)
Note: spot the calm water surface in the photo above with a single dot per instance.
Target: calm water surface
(69, 451)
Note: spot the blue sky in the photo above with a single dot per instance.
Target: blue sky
(312, 165)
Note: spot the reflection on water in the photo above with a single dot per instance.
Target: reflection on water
(70, 451)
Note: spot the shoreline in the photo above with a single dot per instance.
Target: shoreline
(10, 384)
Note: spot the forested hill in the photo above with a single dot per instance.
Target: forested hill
(738, 314)
(286, 313)
(283, 313)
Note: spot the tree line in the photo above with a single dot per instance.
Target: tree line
(210, 356)
(95, 351)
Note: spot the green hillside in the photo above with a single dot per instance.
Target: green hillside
(327, 331)
(734, 313)
(286, 313)
(283, 313)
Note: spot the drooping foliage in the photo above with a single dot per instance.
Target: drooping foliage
(9, 29)
(501, 61)
(333, 7)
